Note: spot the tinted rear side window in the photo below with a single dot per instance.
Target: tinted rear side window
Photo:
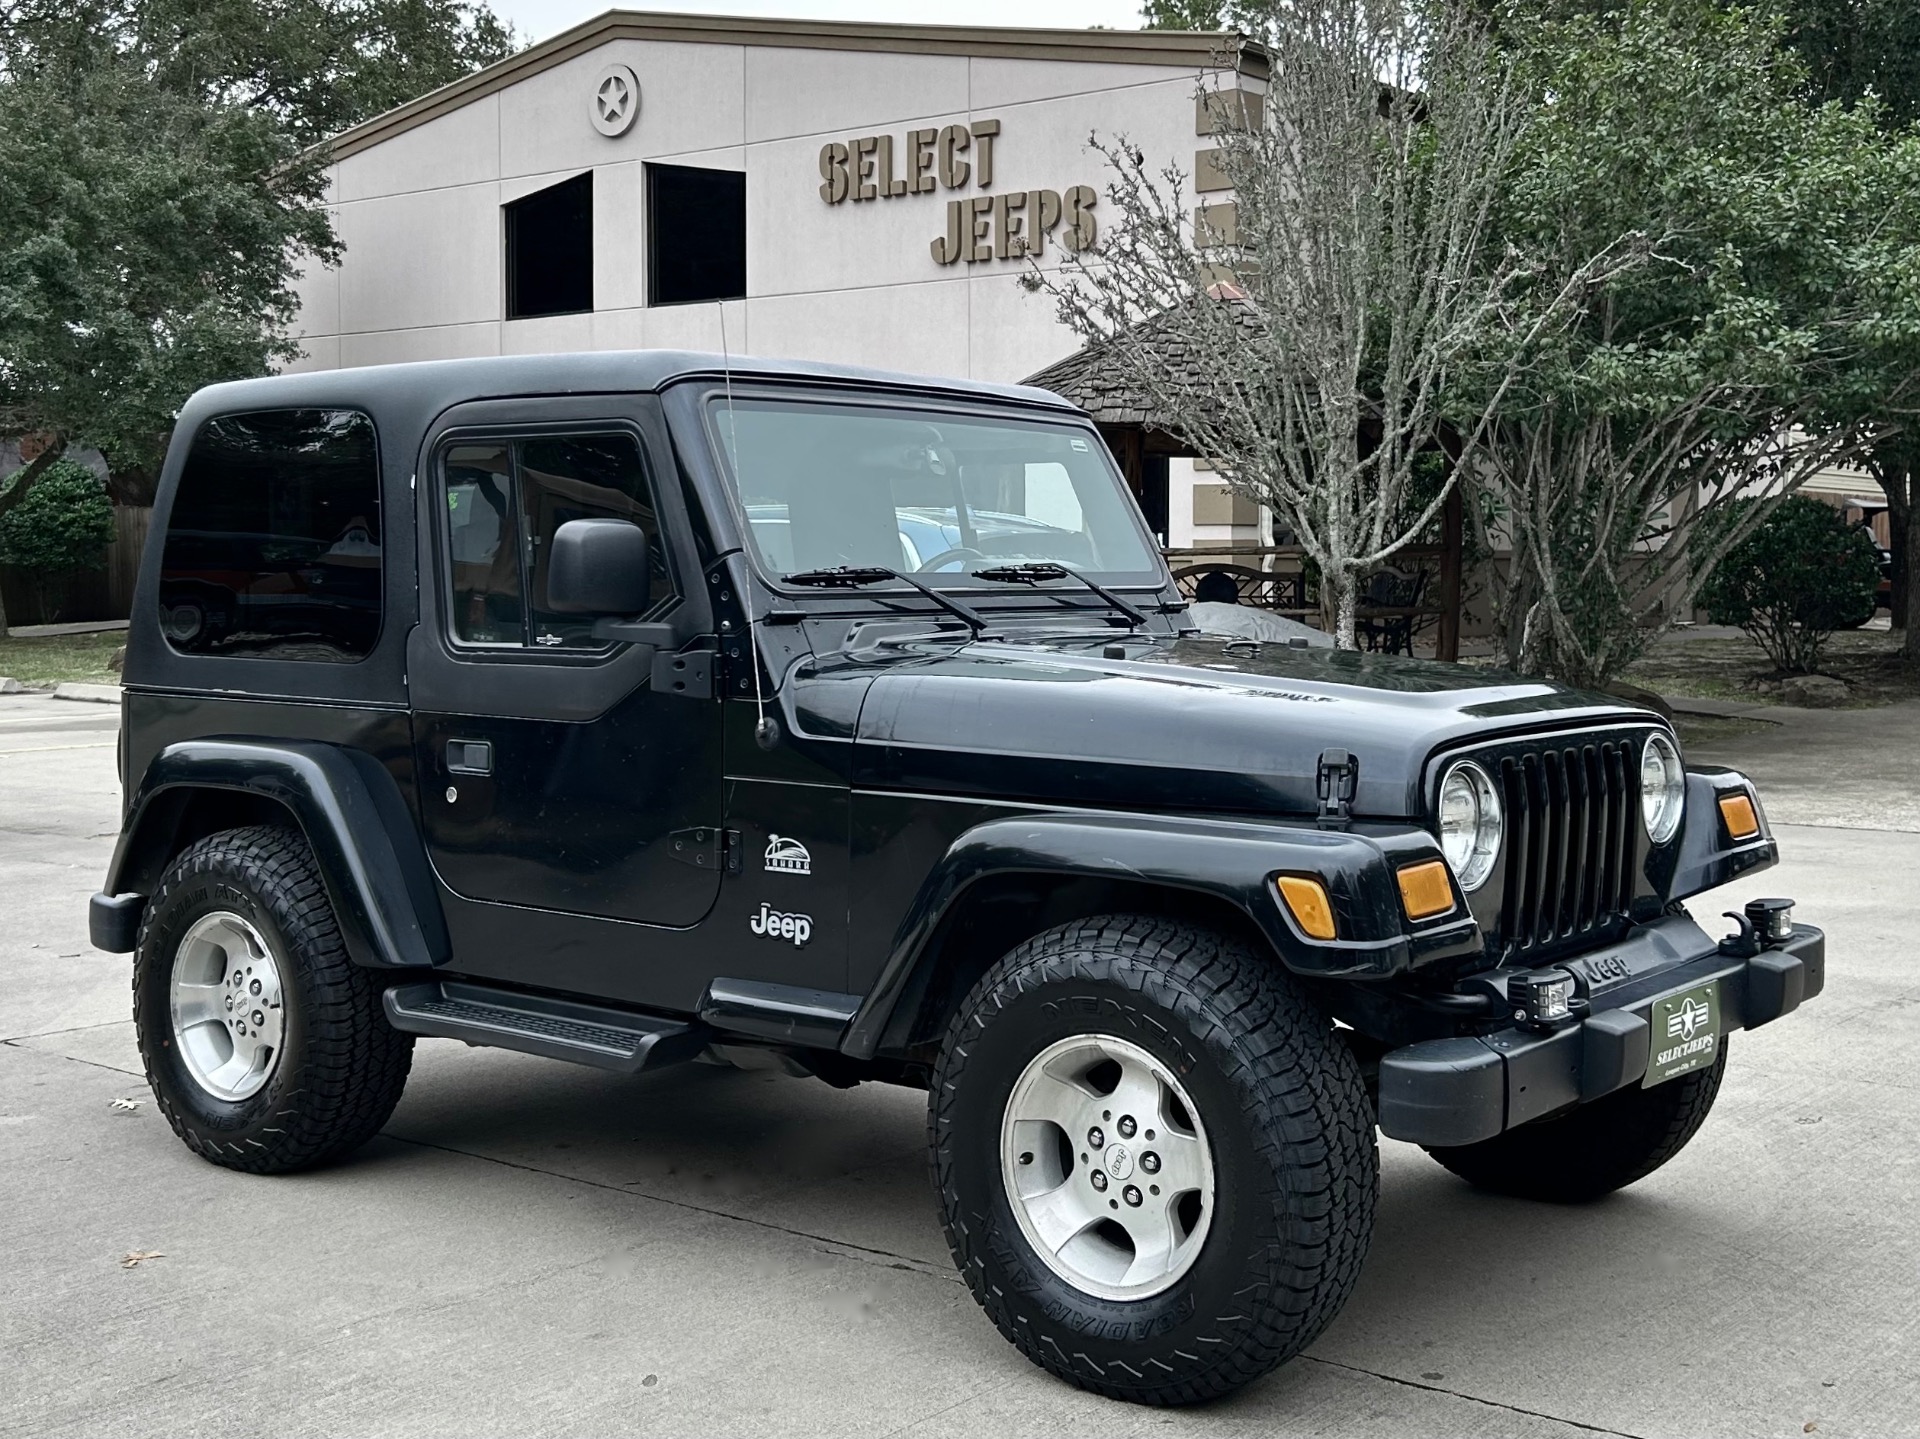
(273, 546)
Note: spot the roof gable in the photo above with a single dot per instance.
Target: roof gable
(1198, 49)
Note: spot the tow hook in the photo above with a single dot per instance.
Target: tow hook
(1766, 924)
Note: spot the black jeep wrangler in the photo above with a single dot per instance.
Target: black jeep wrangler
(635, 709)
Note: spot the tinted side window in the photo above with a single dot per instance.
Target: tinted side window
(505, 499)
(273, 545)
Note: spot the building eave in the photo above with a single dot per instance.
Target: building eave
(1197, 49)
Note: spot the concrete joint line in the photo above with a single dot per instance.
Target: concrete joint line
(878, 1258)
(1471, 1398)
(72, 1059)
(52, 1033)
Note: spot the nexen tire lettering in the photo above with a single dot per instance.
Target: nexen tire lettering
(796, 928)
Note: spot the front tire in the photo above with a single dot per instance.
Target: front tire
(263, 1042)
(1261, 1130)
(1596, 1148)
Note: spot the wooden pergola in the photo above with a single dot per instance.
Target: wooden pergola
(1143, 440)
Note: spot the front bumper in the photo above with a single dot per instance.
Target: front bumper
(1460, 1091)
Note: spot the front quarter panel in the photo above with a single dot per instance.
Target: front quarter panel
(1708, 856)
(1235, 861)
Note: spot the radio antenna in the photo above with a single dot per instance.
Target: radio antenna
(766, 733)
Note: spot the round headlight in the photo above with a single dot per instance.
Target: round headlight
(1663, 788)
(1470, 823)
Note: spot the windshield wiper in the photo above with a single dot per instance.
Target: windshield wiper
(1032, 574)
(853, 577)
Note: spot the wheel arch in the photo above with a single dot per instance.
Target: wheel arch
(1010, 878)
(346, 806)
(996, 912)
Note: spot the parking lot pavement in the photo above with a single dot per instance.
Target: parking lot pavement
(533, 1248)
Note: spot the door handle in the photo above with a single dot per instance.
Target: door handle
(469, 756)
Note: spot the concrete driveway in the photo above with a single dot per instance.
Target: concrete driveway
(533, 1248)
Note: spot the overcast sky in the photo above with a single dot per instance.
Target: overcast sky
(537, 19)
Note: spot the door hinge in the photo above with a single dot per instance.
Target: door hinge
(707, 848)
(687, 673)
(1337, 782)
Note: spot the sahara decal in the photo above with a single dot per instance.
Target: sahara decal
(787, 856)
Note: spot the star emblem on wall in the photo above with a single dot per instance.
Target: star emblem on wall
(615, 102)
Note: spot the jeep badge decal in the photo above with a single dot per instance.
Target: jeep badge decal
(795, 927)
(787, 856)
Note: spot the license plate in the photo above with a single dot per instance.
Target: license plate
(1686, 1033)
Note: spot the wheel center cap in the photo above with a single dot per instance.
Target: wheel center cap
(1118, 1161)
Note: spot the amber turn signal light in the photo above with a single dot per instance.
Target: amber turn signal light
(1306, 900)
(1424, 889)
(1737, 811)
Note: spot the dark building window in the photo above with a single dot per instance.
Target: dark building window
(696, 234)
(550, 250)
(273, 543)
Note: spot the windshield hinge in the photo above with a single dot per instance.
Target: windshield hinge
(1337, 782)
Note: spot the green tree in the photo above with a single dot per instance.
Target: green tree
(318, 66)
(1851, 47)
(1770, 334)
(148, 246)
(1185, 15)
(162, 186)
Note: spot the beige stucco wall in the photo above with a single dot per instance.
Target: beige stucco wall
(419, 213)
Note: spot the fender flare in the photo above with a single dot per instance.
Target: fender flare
(1708, 857)
(1235, 861)
(346, 805)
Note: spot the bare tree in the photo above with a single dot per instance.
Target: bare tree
(1304, 339)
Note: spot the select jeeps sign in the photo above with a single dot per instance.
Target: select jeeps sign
(1005, 226)
(1686, 1033)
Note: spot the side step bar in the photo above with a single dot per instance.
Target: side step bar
(556, 1028)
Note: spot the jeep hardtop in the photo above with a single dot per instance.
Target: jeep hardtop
(638, 709)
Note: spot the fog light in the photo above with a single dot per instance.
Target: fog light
(1306, 900)
(1772, 919)
(1541, 996)
(1737, 810)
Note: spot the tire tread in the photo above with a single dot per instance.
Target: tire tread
(1306, 1112)
(354, 1066)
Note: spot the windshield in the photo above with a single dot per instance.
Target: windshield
(825, 486)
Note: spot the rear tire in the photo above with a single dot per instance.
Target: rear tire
(1616, 1140)
(304, 1067)
(1277, 1209)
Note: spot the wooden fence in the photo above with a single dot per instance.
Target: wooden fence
(101, 594)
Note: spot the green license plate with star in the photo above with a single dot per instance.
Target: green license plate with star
(1685, 1033)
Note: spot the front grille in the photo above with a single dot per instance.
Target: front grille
(1572, 828)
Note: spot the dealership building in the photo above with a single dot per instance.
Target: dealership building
(859, 193)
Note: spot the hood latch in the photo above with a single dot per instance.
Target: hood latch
(1337, 782)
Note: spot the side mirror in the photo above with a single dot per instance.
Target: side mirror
(599, 567)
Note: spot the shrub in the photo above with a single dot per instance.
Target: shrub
(1804, 573)
(64, 524)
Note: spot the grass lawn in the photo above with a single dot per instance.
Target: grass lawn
(57, 658)
(1731, 669)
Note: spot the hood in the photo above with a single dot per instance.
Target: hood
(1186, 724)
